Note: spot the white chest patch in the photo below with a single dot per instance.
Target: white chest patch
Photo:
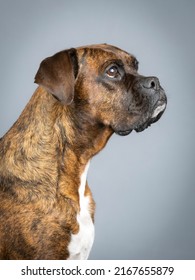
(81, 243)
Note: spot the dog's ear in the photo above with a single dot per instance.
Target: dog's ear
(57, 74)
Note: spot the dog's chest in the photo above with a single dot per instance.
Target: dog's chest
(81, 243)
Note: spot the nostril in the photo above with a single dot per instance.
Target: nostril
(153, 84)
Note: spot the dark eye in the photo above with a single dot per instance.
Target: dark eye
(113, 72)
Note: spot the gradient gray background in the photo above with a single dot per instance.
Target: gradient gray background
(143, 184)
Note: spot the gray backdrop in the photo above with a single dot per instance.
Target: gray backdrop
(143, 184)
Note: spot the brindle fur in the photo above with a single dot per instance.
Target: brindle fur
(68, 120)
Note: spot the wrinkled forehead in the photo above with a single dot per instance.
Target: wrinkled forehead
(101, 53)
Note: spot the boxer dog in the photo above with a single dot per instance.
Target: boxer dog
(84, 95)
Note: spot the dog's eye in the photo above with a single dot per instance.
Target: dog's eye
(113, 72)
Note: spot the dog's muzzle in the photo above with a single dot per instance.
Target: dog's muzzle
(150, 87)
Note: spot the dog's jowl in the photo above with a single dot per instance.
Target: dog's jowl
(84, 95)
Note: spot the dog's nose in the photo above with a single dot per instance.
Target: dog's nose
(150, 83)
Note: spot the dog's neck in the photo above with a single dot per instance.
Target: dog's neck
(56, 150)
(80, 138)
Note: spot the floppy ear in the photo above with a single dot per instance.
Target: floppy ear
(57, 74)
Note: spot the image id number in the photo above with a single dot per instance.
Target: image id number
(135, 270)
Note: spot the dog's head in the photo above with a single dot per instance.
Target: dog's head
(104, 80)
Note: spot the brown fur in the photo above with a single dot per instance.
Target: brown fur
(40, 178)
(43, 155)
